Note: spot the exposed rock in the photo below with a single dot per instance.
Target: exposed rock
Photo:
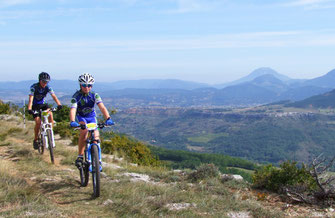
(179, 206)
(138, 177)
(227, 177)
(108, 202)
(238, 214)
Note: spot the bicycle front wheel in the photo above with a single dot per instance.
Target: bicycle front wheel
(51, 145)
(95, 170)
(40, 144)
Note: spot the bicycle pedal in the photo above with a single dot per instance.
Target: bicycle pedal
(79, 166)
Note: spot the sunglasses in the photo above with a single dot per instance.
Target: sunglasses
(86, 85)
(45, 81)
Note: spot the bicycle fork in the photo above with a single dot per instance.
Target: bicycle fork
(89, 155)
(45, 135)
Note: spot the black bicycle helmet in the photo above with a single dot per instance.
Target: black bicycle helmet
(44, 76)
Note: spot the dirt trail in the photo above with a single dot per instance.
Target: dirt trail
(59, 183)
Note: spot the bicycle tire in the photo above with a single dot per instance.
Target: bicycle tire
(51, 147)
(40, 145)
(95, 170)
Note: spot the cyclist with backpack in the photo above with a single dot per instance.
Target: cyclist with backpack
(38, 92)
(82, 112)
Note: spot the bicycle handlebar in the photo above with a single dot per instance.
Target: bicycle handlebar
(53, 109)
(100, 126)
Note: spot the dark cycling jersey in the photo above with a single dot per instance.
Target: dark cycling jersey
(39, 93)
(85, 103)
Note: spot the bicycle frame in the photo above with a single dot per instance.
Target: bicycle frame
(45, 125)
(91, 127)
(46, 135)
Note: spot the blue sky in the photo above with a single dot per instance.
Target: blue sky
(212, 41)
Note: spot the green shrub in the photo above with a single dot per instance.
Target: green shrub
(204, 171)
(63, 129)
(4, 108)
(288, 174)
(133, 150)
(62, 115)
(75, 138)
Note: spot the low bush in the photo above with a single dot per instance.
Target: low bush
(4, 108)
(288, 174)
(63, 129)
(133, 150)
(204, 171)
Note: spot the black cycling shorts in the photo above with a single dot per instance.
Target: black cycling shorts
(38, 107)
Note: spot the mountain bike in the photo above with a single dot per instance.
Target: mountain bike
(92, 158)
(46, 138)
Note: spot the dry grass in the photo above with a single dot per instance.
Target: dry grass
(31, 186)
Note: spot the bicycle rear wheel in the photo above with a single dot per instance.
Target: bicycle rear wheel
(51, 145)
(95, 170)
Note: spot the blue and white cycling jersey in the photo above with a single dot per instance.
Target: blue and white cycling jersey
(39, 93)
(85, 103)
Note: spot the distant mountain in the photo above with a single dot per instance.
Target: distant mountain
(125, 84)
(243, 94)
(22, 85)
(262, 89)
(262, 86)
(326, 81)
(300, 93)
(270, 82)
(157, 84)
(254, 74)
(326, 100)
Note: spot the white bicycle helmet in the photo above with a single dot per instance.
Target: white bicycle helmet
(86, 78)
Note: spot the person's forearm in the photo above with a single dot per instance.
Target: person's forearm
(56, 99)
(72, 114)
(103, 110)
(30, 102)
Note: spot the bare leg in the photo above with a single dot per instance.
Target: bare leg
(82, 140)
(37, 127)
(96, 135)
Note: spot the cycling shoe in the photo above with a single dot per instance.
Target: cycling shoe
(79, 162)
(35, 144)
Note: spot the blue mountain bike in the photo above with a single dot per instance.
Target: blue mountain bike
(92, 159)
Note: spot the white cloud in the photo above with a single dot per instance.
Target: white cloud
(311, 4)
(287, 39)
(187, 6)
(8, 3)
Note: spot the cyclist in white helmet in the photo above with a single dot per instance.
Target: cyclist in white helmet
(82, 111)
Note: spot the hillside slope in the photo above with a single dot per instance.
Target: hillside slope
(32, 187)
(261, 134)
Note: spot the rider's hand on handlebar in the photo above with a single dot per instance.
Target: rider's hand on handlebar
(59, 107)
(74, 124)
(109, 122)
(31, 112)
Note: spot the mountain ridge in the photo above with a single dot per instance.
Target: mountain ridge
(262, 86)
